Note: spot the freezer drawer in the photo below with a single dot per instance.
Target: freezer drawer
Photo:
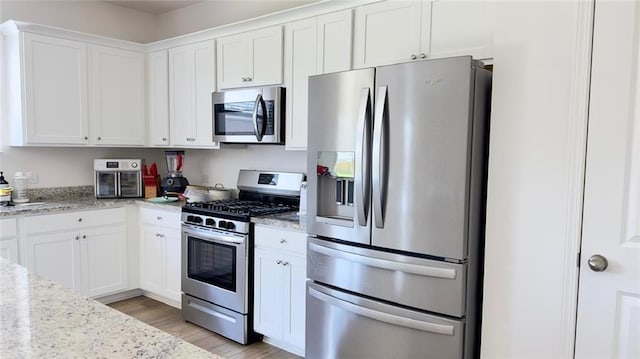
(431, 285)
(340, 325)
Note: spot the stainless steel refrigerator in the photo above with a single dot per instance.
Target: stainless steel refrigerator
(395, 212)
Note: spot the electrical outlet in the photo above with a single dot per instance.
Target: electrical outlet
(205, 179)
(33, 178)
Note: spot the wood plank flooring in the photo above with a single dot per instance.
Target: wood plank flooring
(169, 319)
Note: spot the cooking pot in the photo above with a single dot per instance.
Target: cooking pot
(218, 193)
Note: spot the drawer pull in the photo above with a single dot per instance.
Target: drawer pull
(283, 241)
(77, 238)
(79, 219)
(279, 262)
(159, 218)
(84, 236)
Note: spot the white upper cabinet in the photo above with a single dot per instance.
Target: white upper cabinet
(117, 93)
(158, 98)
(462, 28)
(335, 41)
(312, 46)
(251, 58)
(53, 81)
(69, 92)
(192, 79)
(391, 32)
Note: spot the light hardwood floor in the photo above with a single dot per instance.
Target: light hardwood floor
(169, 319)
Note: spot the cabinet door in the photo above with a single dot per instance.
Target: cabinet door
(294, 301)
(234, 61)
(117, 96)
(55, 257)
(158, 97)
(390, 32)
(300, 62)
(9, 249)
(462, 28)
(269, 293)
(172, 265)
(55, 90)
(104, 254)
(191, 82)
(151, 259)
(334, 41)
(266, 50)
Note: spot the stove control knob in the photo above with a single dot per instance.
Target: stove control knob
(210, 222)
(197, 219)
(222, 224)
(231, 225)
(191, 218)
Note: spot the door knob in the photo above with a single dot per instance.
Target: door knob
(598, 263)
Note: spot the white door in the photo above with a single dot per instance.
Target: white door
(151, 259)
(608, 323)
(55, 257)
(173, 265)
(104, 253)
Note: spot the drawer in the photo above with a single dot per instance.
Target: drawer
(8, 228)
(280, 239)
(159, 217)
(74, 220)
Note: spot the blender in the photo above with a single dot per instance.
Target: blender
(174, 184)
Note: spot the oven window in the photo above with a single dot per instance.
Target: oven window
(130, 184)
(106, 182)
(237, 118)
(212, 263)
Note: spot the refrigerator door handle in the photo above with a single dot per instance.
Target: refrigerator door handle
(444, 273)
(382, 316)
(259, 132)
(362, 173)
(379, 157)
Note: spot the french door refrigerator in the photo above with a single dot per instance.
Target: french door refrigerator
(395, 212)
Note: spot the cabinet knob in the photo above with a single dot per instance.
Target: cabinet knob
(249, 79)
(413, 57)
(279, 262)
(159, 218)
(77, 238)
(86, 138)
(423, 56)
(79, 219)
(283, 241)
(285, 263)
(84, 236)
(164, 139)
(99, 138)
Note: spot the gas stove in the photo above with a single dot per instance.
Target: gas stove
(261, 193)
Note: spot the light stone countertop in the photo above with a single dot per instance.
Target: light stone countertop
(289, 221)
(42, 319)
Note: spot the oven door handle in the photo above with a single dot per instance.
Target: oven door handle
(213, 237)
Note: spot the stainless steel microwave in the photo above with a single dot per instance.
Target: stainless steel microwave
(251, 115)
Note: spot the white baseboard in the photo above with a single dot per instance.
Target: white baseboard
(119, 296)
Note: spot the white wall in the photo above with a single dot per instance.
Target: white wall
(534, 182)
(94, 17)
(217, 13)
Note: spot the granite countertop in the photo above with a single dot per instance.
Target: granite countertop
(289, 220)
(82, 198)
(75, 199)
(42, 319)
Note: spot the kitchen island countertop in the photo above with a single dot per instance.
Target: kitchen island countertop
(41, 319)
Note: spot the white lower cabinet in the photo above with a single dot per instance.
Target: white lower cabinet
(160, 260)
(83, 251)
(8, 239)
(280, 276)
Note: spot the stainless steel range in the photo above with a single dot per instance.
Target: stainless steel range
(217, 252)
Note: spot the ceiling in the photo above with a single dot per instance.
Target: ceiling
(154, 7)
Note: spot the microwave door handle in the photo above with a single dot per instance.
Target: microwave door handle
(362, 175)
(379, 157)
(259, 132)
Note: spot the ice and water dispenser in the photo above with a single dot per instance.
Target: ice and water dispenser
(336, 187)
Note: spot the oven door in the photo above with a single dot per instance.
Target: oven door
(215, 267)
(248, 115)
